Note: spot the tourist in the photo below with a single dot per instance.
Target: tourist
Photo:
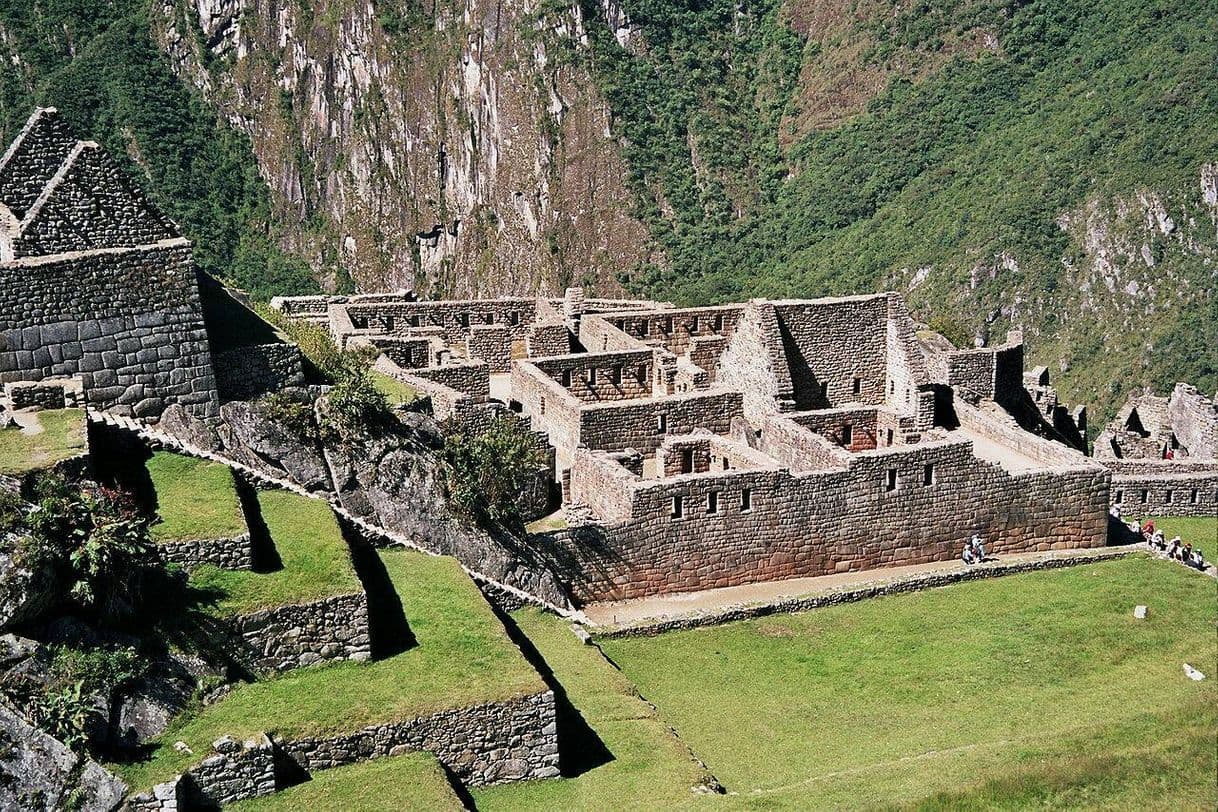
(1173, 548)
(978, 548)
(1186, 553)
(967, 554)
(1198, 559)
(1157, 540)
(1148, 529)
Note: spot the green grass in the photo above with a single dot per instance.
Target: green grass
(1039, 688)
(196, 499)
(650, 768)
(393, 389)
(411, 781)
(463, 657)
(316, 560)
(62, 437)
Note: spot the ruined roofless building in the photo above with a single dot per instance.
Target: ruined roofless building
(716, 446)
(95, 283)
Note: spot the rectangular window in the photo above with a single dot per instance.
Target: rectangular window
(490, 318)
(678, 508)
(928, 474)
(463, 319)
(890, 480)
(514, 317)
(615, 375)
(662, 423)
(1167, 497)
(687, 460)
(1193, 499)
(642, 373)
(388, 322)
(694, 324)
(719, 323)
(646, 327)
(1144, 496)
(857, 386)
(746, 500)
(591, 373)
(712, 502)
(566, 378)
(727, 466)
(668, 324)
(414, 321)
(847, 434)
(890, 436)
(1120, 497)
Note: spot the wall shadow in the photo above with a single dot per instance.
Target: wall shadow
(389, 631)
(262, 547)
(580, 749)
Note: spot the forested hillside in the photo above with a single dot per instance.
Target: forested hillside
(1047, 165)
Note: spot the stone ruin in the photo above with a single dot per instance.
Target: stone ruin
(1163, 454)
(716, 446)
(97, 284)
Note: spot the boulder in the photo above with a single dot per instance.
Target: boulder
(25, 594)
(188, 428)
(39, 772)
(251, 438)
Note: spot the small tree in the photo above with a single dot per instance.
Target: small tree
(487, 471)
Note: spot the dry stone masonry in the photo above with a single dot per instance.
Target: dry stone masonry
(96, 283)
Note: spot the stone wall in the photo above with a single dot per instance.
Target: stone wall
(831, 343)
(675, 328)
(247, 372)
(550, 338)
(233, 771)
(127, 321)
(305, 634)
(861, 423)
(46, 394)
(89, 203)
(454, 317)
(754, 363)
(637, 424)
(894, 506)
(1194, 421)
(33, 158)
(407, 352)
(492, 344)
(234, 553)
(597, 334)
(491, 743)
(1185, 494)
(602, 376)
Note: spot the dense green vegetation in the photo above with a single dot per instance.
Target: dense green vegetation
(62, 437)
(1039, 688)
(1078, 101)
(463, 656)
(310, 545)
(196, 499)
(97, 63)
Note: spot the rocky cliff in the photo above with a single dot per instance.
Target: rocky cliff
(443, 148)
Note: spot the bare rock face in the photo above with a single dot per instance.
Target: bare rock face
(39, 772)
(251, 438)
(25, 594)
(451, 150)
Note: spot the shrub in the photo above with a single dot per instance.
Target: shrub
(354, 406)
(487, 471)
(293, 414)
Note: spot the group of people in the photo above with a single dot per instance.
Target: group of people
(974, 551)
(1185, 553)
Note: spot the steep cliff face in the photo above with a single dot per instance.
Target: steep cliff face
(444, 149)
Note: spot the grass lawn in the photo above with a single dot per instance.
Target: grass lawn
(62, 437)
(396, 391)
(196, 499)
(463, 657)
(316, 561)
(1037, 689)
(411, 781)
(648, 769)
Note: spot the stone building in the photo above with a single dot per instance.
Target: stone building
(1163, 454)
(715, 446)
(95, 283)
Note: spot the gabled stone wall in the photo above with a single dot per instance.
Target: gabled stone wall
(127, 321)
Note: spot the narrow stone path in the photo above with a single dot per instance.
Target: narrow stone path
(709, 607)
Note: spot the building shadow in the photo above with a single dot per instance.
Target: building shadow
(262, 547)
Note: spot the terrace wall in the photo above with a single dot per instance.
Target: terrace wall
(299, 635)
(233, 553)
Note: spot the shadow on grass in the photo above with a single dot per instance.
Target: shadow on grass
(580, 749)
(389, 631)
(262, 546)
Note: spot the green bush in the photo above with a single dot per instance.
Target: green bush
(292, 413)
(488, 470)
(354, 407)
